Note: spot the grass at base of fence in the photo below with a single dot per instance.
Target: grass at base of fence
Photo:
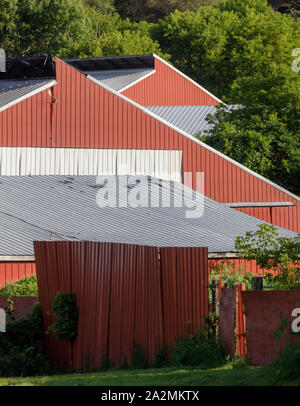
(228, 375)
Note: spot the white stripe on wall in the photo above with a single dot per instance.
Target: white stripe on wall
(21, 161)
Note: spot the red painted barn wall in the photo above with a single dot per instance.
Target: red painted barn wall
(166, 87)
(13, 271)
(27, 123)
(89, 116)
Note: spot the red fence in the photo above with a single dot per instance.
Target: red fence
(126, 294)
(227, 321)
(264, 311)
(21, 304)
(248, 320)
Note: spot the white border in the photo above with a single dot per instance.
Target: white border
(190, 137)
(30, 94)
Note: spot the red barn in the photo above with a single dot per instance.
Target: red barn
(88, 117)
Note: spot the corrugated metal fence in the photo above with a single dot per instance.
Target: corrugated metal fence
(126, 294)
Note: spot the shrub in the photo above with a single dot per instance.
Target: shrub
(288, 364)
(202, 349)
(23, 287)
(20, 347)
(231, 273)
(25, 362)
(23, 333)
(138, 359)
(66, 311)
(161, 357)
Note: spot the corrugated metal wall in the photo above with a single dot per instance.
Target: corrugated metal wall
(20, 161)
(264, 311)
(88, 116)
(242, 264)
(13, 271)
(126, 294)
(166, 87)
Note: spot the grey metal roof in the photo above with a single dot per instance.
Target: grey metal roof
(118, 79)
(11, 91)
(65, 208)
(190, 119)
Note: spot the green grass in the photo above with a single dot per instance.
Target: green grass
(227, 375)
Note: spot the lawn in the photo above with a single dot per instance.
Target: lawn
(227, 375)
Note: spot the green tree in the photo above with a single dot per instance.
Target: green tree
(114, 36)
(225, 47)
(34, 27)
(256, 137)
(153, 10)
(8, 24)
(102, 6)
(271, 252)
(242, 52)
(67, 28)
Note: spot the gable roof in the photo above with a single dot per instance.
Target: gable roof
(195, 140)
(14, 91)
(191, 119)
(119, 79)
(35, 208)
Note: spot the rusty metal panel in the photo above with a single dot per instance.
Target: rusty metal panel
(123, 293)
(240, 322)
(185, 291)
(167, 87)
(263, 313)
(227, 321)
(48, 268)
(13, 271)
(22, 304)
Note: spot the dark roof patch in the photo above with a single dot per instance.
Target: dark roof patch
(113, 62)
(29, 67)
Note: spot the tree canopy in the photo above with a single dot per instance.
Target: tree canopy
(154, 10)
(68, 28)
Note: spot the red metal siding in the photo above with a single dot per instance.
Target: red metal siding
(27, 123)
(22, 304)
(264, 311)
(227, 321)
(13, 271)
(124, 295)
(166, 87)
(88, 116)
(185, 288)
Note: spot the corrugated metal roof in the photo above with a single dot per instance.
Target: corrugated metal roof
(190, 119)
(11, 91)
(119, 78)
(64, 208)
